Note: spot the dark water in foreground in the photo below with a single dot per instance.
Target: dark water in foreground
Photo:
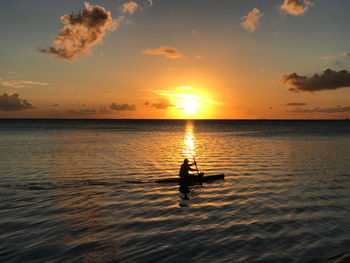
(84, 191)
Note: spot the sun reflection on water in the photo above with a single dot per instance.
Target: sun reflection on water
(188, 147)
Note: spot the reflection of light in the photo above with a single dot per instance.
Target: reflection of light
(188, 145)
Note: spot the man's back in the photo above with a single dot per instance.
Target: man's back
(184, 170)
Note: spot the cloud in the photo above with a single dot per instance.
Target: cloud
(21, 83)
(337, 109)
(129, 7)
(251, 20)
(81, 32)
(169, 52)
(296, 104)
(13, 102)
(198, 57)
(55, 105)
(346, 54)
(162, 104)
(123, 107)
(82, 112)
(104, 110)
(296, 7)
(329, 80)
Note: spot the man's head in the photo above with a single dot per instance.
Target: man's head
(186, 161)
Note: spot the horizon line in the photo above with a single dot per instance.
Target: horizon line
(253, 119)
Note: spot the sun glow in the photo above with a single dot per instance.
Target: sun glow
(189, 103)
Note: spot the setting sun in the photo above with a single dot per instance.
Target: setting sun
(189, 104)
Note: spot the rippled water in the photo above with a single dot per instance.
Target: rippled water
(84, 191)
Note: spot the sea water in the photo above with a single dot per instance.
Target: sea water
(85, 191)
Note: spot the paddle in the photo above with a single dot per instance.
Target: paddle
(195, 164)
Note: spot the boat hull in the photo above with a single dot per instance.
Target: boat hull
(191, 180)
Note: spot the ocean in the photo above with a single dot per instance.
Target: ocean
(85, 191)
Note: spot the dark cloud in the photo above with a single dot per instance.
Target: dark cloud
(296, 104)
(163, 104)
(147, 103)
(55, 105)
(80, 32)
(82, 112)
(104, 110)
(329, 80)
(13, 102)
(295, 7)
(123, 107)
(169, 52)
(337, 109)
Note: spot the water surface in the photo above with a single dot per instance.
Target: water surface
(84, 191)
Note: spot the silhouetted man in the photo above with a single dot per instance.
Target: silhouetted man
(185, 168)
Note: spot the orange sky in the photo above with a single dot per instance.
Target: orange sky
(175, 59)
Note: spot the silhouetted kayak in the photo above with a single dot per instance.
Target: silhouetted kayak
(191, 180)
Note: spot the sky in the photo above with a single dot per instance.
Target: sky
(182, 59)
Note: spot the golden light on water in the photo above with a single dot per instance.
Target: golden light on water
(188, 147)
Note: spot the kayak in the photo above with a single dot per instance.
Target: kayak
(192, 179)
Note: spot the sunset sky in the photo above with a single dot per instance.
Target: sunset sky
(222, 59)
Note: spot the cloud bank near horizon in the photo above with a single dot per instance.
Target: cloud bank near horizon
(122, 107)
(13, 102)
(162, 104)
(329, 79)
(337, 109)
(296, 104)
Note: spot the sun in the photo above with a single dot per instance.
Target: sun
(189, 103)
(190, 106)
